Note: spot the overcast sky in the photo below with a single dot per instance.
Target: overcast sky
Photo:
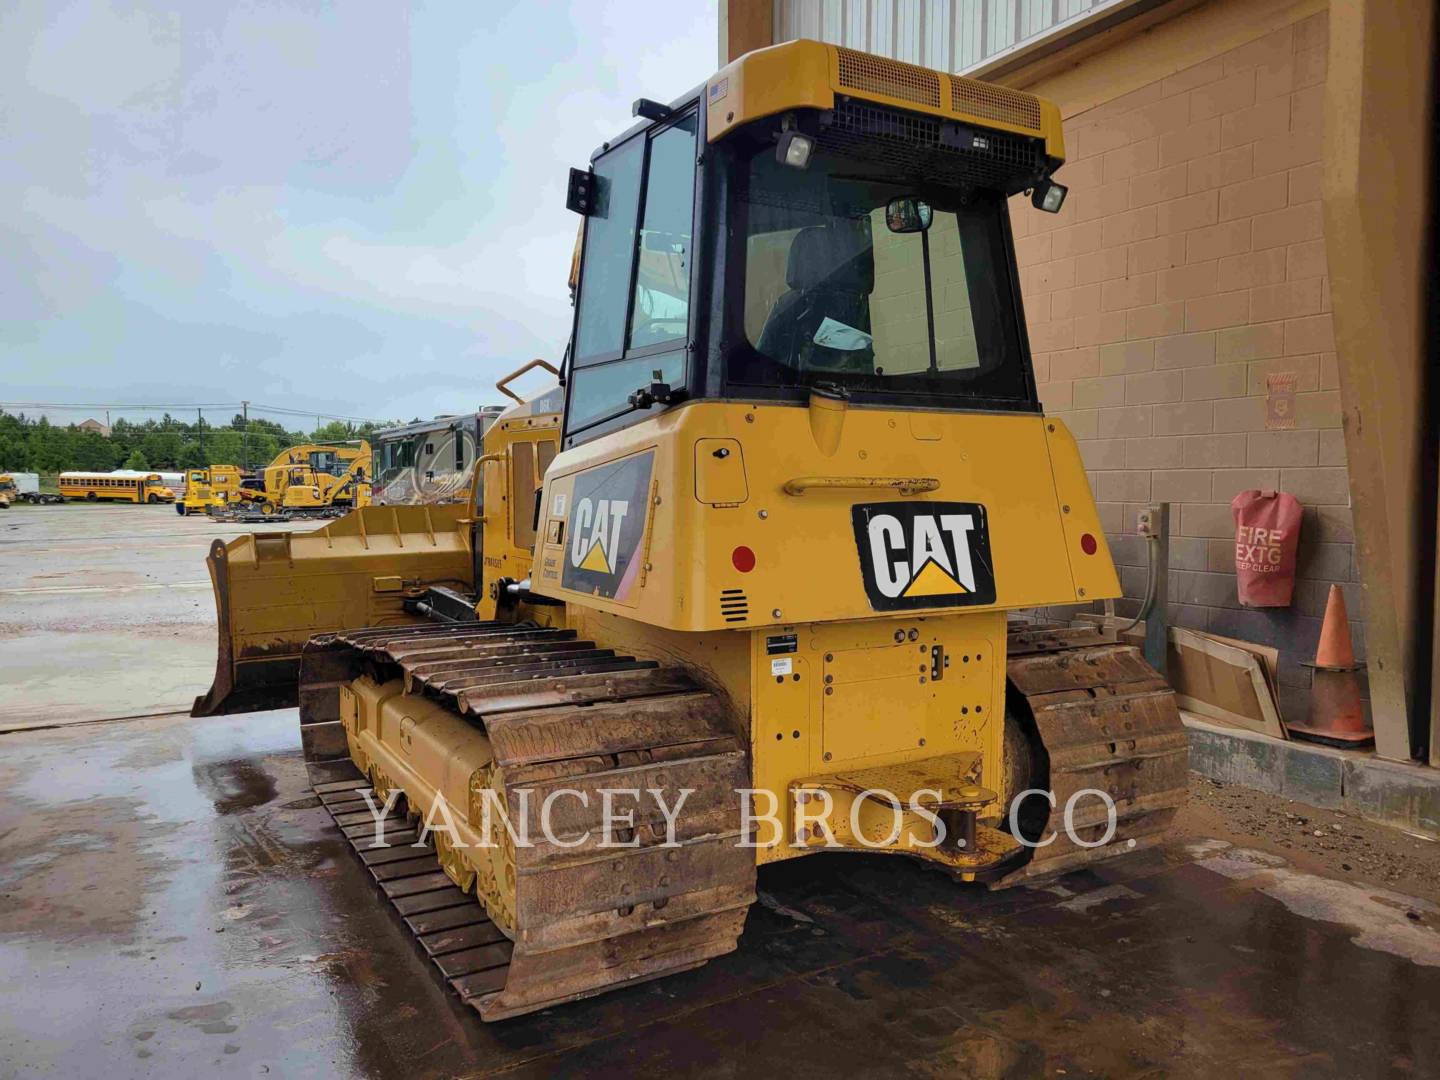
(354, 208)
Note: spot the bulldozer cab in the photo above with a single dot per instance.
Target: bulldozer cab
(853, 239)
(798, 300)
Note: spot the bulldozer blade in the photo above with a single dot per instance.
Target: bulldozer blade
(276, 590)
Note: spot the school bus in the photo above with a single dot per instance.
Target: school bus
(94, 487)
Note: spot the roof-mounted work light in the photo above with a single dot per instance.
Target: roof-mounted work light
(794, 149)
(1049, 196)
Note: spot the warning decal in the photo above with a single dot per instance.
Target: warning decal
(924, 554)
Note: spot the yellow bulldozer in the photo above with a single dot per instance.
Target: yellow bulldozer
(309, 480)
(741, 589)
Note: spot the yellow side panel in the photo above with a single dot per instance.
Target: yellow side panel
(518, 449)
(1094, 572)
(794, 548)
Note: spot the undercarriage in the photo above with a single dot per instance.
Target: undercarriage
(395, 720)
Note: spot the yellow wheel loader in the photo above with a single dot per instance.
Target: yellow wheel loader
(748, 601)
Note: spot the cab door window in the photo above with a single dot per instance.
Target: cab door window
(660, 306)
(633, 311)
(609, 252)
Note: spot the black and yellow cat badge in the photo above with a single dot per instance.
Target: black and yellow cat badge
(608, 510)
(924, 554)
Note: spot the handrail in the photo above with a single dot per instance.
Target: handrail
(504, 387)
(906, 485)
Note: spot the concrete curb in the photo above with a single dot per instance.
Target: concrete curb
(1389, 792)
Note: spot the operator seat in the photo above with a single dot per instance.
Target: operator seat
(830, 272)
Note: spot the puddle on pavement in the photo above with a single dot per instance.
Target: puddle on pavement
(1096, 897)
(1403, 926)
(235, 785)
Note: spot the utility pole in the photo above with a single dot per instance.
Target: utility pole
(200, 431)
(245, 437)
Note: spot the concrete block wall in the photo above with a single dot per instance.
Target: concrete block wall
(1187, 265)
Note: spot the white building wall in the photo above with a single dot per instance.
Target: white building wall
(952, 35)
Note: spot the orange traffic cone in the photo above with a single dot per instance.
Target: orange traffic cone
(1337, 713)
(1335, 649)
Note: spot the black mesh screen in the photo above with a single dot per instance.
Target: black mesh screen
(927, 149)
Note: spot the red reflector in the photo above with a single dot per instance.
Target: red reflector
(1088, 544)
(743, 559)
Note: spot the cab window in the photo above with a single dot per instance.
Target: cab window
(872, 284)
(633, 309)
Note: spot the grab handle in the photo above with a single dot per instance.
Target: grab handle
(504, 387)
(906, 485)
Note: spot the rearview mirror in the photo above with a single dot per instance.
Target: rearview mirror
(907, 215)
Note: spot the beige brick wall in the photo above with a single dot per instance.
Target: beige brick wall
(1187, 265)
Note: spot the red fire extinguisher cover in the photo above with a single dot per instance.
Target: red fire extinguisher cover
(1267, 535)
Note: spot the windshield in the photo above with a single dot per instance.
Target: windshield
(832, 295)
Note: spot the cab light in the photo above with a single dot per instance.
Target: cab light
(1049, 196)
(743, 559)
(1088, 544)
(794, 149)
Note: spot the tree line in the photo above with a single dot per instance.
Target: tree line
(33, 444)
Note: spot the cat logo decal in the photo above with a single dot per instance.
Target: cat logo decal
(606, 523)
(596, 533)
(924, 554)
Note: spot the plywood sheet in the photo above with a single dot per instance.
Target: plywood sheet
(1225, 680)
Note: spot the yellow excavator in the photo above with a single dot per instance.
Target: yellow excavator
(309, 480)
(740, 590)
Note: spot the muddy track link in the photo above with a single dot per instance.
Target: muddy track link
(1107, 720)
(558, 712)
(471, 953)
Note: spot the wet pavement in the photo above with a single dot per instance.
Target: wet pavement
(174, 903)
(105, 611)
